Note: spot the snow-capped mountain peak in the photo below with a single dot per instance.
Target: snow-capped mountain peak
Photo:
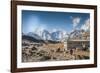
(34, 35)
(46, 35)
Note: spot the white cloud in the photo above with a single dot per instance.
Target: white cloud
(86, 25)
(75, 21)
(39, 29)
(31, 24)
(54, 30)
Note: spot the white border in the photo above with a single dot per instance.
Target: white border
(53, 63)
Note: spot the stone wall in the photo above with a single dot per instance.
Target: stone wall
(78, 44)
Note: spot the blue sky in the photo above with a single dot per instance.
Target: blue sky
(67, 21)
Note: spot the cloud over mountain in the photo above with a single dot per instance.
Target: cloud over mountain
(86, 25)
(75, 21)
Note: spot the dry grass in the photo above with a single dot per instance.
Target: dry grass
(49, 52)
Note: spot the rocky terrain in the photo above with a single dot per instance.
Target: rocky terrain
(51, 52)
(50, 46)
